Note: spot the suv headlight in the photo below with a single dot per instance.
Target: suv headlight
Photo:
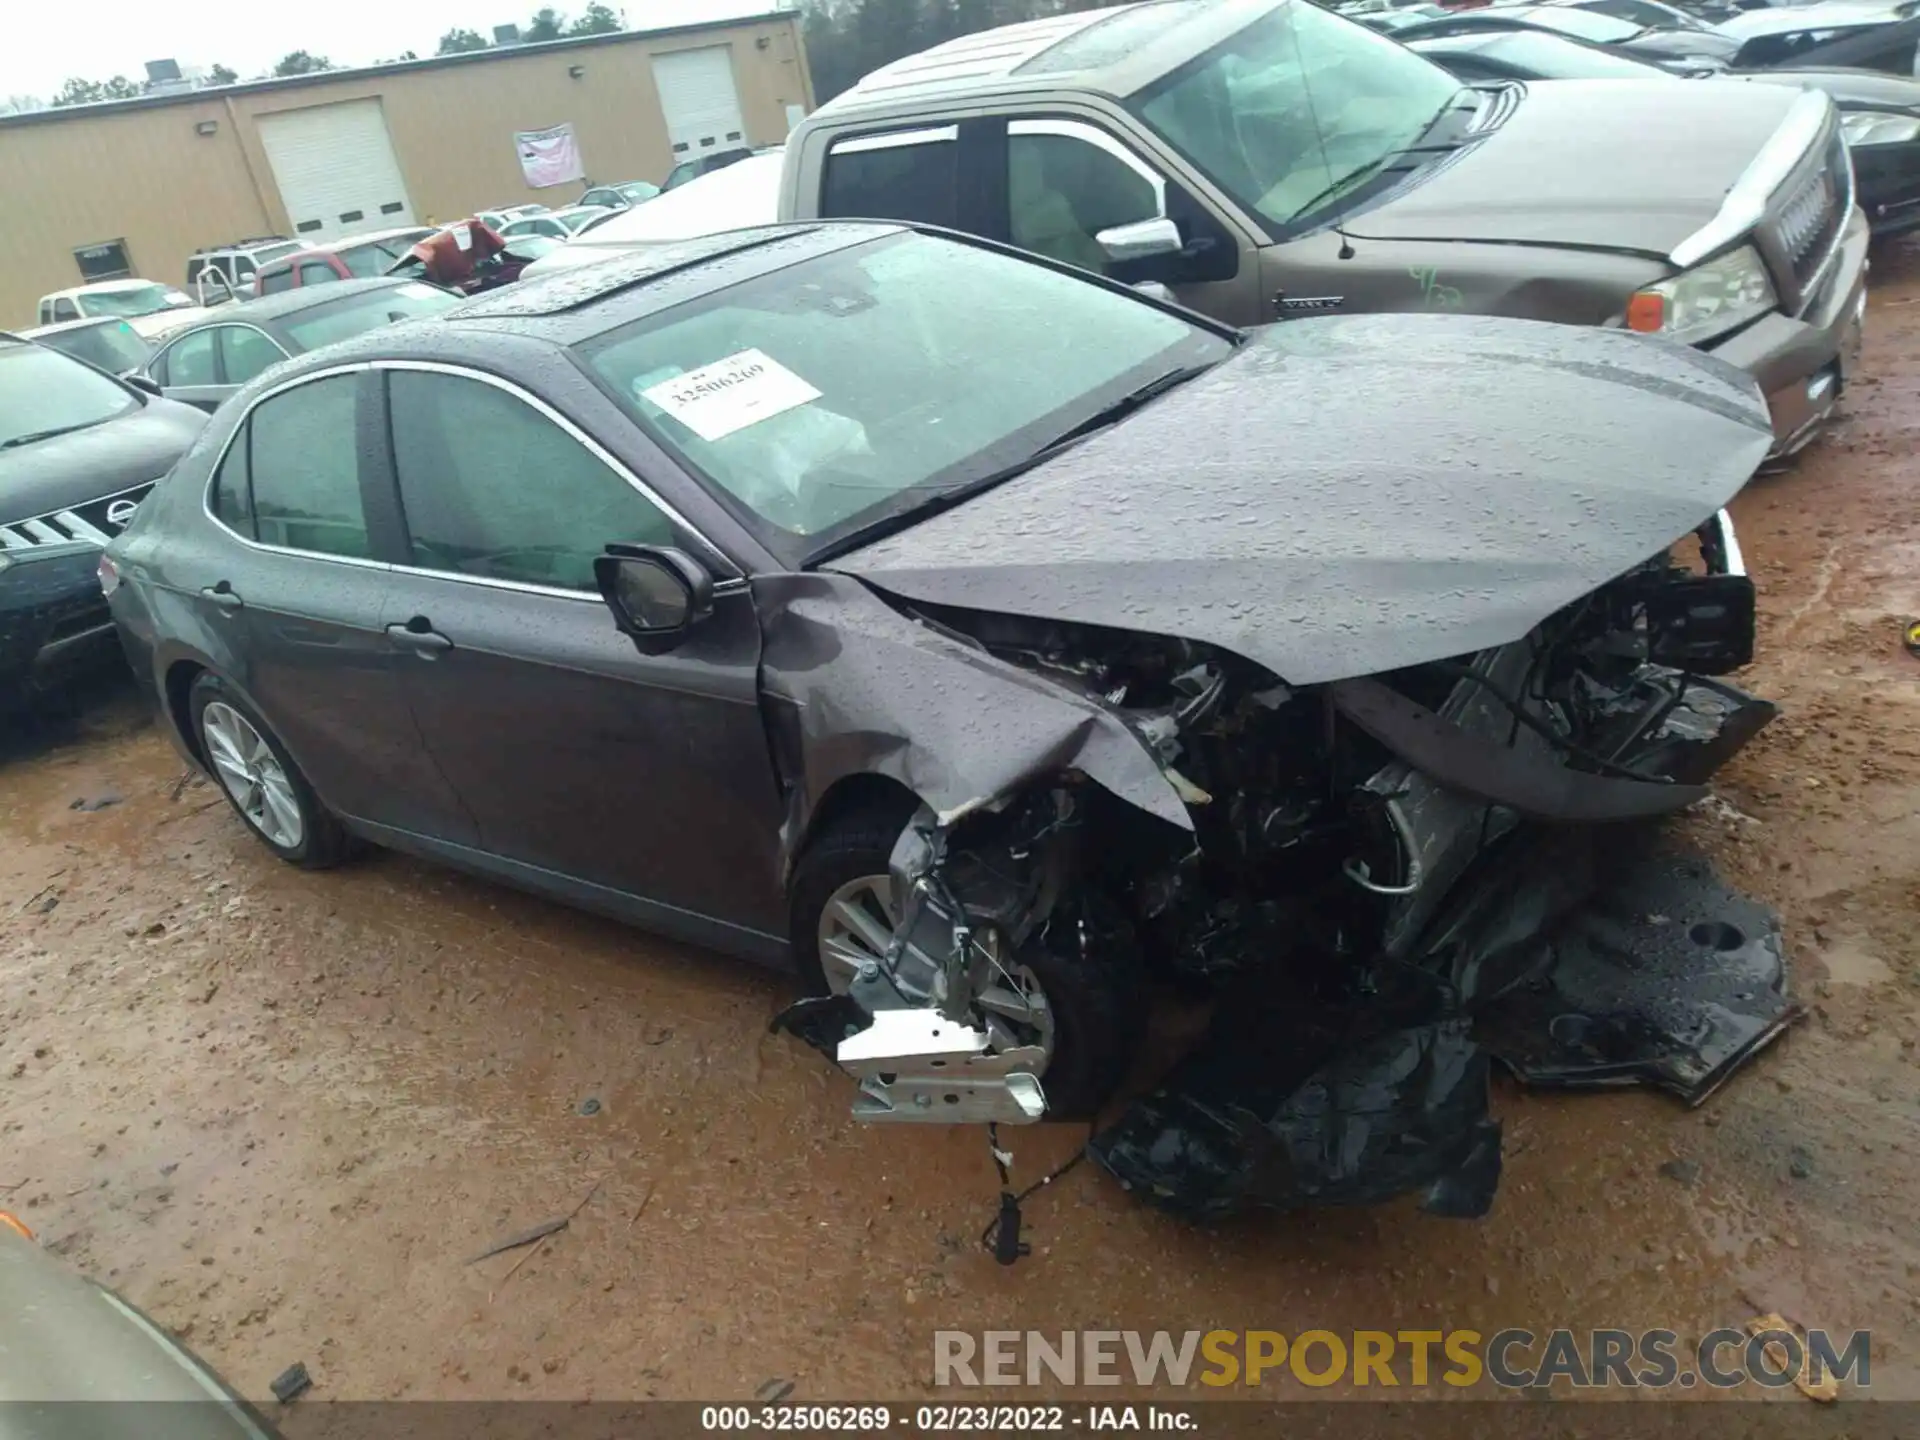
(1706, 301)
(1878, 127)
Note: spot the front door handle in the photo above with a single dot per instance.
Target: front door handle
(222, 595)
(419, 636)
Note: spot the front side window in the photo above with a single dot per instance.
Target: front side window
(492, 487)
(306, 473)
(316, 272)
(272, 282)
(245, 352)
(1297, 107)
(44, 393)
(366, 261)
(909, 175)
(849, 387)
(367, 310)
(1066, 182)
(190, 360)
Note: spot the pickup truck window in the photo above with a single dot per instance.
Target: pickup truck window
(1068, 181)
(1297, 108)
(905, 175)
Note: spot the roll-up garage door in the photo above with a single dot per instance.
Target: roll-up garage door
(336, 169)
(700, 101)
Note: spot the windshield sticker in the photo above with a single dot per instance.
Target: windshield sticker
(730, 394)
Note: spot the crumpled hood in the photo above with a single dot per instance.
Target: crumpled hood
(1572, 166)
(1352, 495)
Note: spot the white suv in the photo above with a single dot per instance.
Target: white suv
(237, 263)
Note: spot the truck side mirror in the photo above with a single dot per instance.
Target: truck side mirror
(1140, 240)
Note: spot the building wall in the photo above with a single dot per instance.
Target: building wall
(144, 174)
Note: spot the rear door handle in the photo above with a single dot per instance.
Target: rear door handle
(416, 635)
(222, 595)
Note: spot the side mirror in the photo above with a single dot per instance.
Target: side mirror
(1141, 240)
(656, 594)
(141, 381)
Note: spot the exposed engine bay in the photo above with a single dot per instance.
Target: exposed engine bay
(1353, 842)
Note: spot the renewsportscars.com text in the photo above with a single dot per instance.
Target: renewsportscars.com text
(1510, 1359)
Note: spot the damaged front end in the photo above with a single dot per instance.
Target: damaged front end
(1345, 840)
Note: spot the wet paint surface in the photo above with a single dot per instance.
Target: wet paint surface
(282, 1110)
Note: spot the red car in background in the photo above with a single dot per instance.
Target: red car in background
(357, 257)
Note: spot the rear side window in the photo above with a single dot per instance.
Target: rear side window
(232, 498)
(194, 268)
(305, 470)
(909, 175)
(316, 272)
(245, 352)
(272, 282)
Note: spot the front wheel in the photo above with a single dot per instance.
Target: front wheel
(1076, 990)
(260, 780)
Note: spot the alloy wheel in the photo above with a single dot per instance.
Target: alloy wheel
(252, 775)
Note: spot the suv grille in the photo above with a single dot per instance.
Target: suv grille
(1811, 216)
(95, 522)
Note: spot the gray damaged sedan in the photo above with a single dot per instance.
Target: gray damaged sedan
(975, 636)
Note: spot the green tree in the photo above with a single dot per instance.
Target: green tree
(458, 42)
(302, 62)
(221, 75)
(547, 24)
(598, 19)
(80, 92)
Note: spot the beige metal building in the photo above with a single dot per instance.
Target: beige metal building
(136, 186)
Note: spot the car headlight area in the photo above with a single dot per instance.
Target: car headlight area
(1705, 302)
(1878, 127)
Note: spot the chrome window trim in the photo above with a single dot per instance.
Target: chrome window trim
(1745, 205)
(1100, 139)
(895, 139)
(725, 583)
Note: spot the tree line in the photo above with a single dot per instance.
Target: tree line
(546, 23)
(848, 38)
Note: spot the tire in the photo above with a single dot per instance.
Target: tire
(1097, 1000)
(321, 841)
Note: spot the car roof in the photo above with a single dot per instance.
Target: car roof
(106, 287)
(291, 302)
(996, 61)
(1828, 15)
(62, 325)
(738, 196)
(370, 237)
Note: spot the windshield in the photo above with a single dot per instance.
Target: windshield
(1296, 103)
(115, 346)
(134, 301)
(43, 392)
(368, 310)
(830, 395)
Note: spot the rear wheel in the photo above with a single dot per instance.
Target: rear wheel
(260, 780)
(1075, 991)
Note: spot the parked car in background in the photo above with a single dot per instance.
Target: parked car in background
(359, 257)
(71, 1347)
(1651, 14)
(547, 226)
(1870, 34)
(79, 450)
(732, 198)
(1397, 18)
(150, 307)
(239, 262)
(693, 169)
(622, 196)
(1879, 114)
(576, 217)
(1685, 47)
(501, 216)
(874, 625)
(111, 345)
(206, 363)
(1266, 159)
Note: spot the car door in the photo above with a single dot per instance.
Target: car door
(640, 783)
(188, 370)
(246, 351)
(300, 589)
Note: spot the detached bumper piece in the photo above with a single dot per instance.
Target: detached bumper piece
(1571, 974)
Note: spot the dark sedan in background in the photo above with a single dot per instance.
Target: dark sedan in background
(205, 363)
(79, 450)
(1696, 47)
(1879, 114)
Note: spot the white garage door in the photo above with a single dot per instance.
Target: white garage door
(698, 98)
(336, 169)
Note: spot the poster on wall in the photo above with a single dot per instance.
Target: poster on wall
(549, 157)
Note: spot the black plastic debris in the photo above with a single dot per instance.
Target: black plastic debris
(822, 1021)
(291, 1383)
(1666, 977)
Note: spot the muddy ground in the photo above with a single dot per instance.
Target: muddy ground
(281, 1110)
